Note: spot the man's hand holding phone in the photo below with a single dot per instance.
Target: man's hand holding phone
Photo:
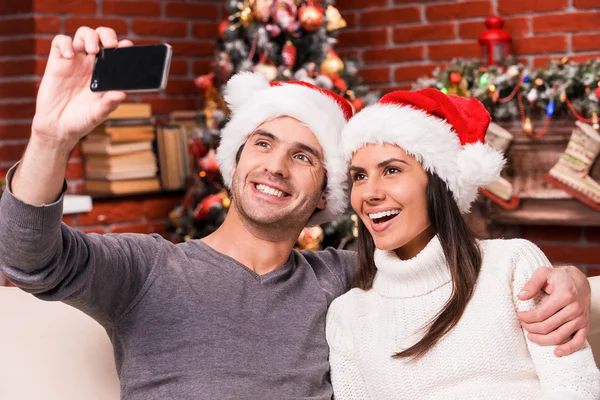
(66, 108)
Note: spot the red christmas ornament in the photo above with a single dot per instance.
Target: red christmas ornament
(198, 148)
(204, 207)
(358, 104)
(455, 77)
(340, 84)
(311, 17)
(223, 26)
(597, 92)
(204, 81)
(288, 54)
(495, 41)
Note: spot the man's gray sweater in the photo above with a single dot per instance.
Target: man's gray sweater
(186, 322)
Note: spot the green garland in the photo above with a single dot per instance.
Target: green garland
(547, 89)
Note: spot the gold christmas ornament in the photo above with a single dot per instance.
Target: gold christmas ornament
(262, 10)
(539, 81)
(332, 64)
(310, 238)
(226, 202)
(269, 71)
(461, 89)
(244, 17)
(527, 127)
(334, 19)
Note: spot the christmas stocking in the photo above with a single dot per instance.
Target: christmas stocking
(571, 171)
(501, 191)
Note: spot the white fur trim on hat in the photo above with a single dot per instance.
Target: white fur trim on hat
(432, 141)
(253, 101)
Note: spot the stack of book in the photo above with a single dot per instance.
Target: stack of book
(172, 144)
(119, 156)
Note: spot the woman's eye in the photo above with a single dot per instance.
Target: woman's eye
(358, 177)
(392, 170)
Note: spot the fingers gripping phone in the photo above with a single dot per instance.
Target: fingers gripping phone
(132, 69)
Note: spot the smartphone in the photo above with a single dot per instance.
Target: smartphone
(132, 69)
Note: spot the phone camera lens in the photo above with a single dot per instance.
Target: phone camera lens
(95, 84)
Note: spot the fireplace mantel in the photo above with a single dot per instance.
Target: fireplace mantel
(541, 203)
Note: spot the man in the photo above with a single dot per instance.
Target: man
(238, 314)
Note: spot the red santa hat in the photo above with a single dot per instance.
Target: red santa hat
(252, 101)
(444, 133)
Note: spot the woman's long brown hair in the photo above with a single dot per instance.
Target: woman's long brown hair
(462, 255)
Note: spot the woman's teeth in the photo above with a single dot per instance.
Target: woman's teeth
(269, 190)
(382, 214)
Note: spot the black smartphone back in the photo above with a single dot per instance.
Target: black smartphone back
(132, 69)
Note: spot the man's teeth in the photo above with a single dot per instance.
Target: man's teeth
(384, 214)
(270, 190)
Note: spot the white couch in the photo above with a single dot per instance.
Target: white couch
(594, 334)
(51, 351)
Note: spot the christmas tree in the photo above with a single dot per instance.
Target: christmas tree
(284, 40)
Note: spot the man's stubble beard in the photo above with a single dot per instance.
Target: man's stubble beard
(285, 224)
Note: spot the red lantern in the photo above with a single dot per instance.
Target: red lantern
(495, 41)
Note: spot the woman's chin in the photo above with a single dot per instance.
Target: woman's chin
(388, 245)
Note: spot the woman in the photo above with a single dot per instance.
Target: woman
(434, 311)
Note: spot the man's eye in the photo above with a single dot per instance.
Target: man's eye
(263, 144)
(303, 157)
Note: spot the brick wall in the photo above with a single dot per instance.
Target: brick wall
(398, 41)
(561, 244)
(401, 40)
(26, 31)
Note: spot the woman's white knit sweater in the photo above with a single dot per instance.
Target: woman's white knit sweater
(486, 356)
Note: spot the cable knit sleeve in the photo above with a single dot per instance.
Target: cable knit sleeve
(574, 377)
(346, 379)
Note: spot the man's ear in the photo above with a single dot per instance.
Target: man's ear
(322, 203)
